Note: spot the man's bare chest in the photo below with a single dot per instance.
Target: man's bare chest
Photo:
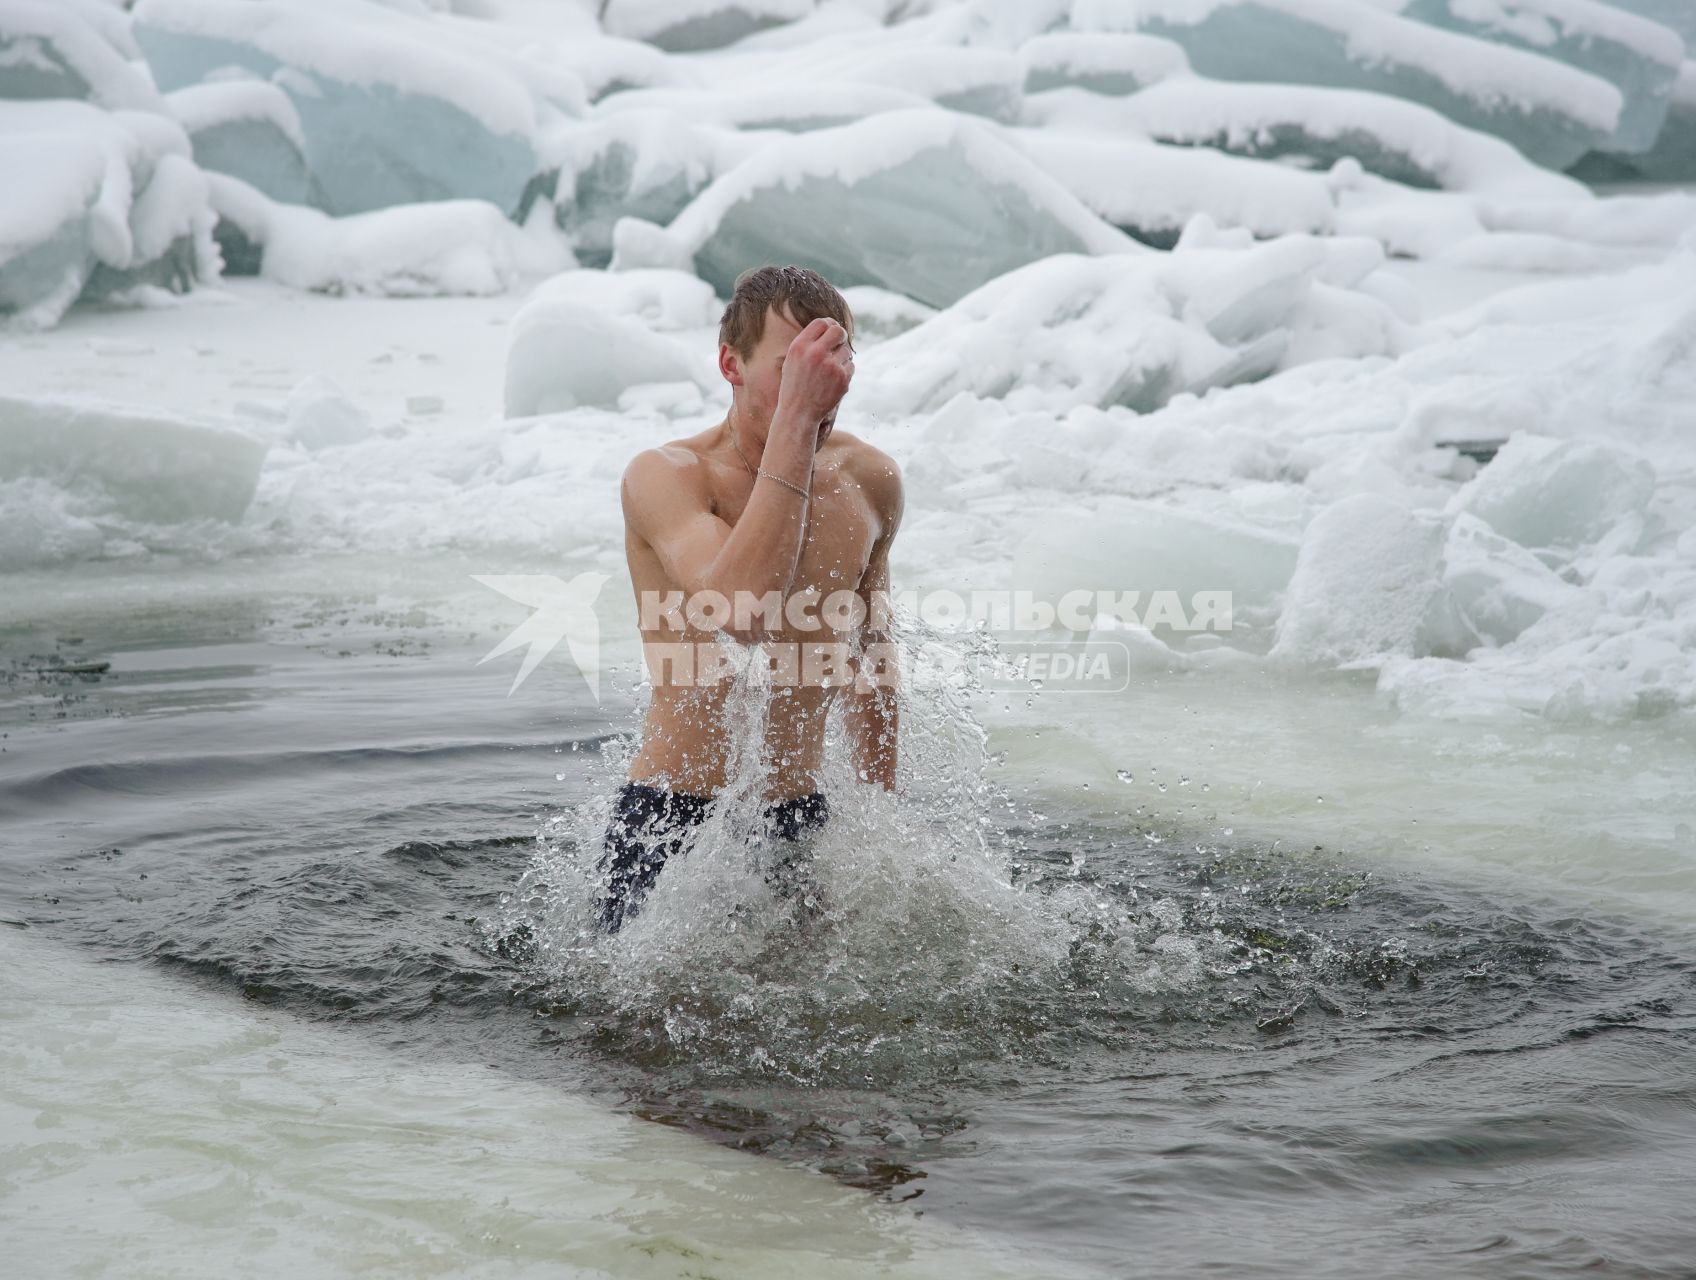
(841, 531)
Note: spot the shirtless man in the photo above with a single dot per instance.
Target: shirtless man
(771, 500)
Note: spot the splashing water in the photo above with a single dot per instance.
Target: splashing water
(912, 946)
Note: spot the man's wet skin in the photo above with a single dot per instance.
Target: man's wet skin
(699, 516)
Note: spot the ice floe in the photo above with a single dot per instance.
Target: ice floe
(927, 203)
(1300, 123)
(644, 164)
(587, 337)
(72, 49)
(1365, 584)
(1638, 57)
(1101, 62)
(144, 466)
(1672, 157)
(1137, 330)
(389, 115)
(250, 130)
(1551, 112)
(687, 26)
(443, 247)
(118, 204)
(1152, 191)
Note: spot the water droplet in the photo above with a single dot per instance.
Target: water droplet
(1124, 775)
(559, 777)
(1162, 788)
(1205, 787)
(1320, 800)
(1085, 786)
(1183, 780)
(835, 574)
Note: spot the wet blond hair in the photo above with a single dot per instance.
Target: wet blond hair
(804, 295)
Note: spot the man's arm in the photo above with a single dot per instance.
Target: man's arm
(872, 713)
(666, 498)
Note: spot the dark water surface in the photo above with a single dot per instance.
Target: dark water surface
(1246, 1060)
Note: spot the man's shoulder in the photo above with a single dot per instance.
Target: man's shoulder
(670, 477)
(871, 467)
(670, 463)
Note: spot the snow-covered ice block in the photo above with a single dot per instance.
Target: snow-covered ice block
(1578, 235)
(1656, 221)
(791, 107)
(250, 130)
(979, 82)
(1101, 62)
(1673, 156)
(1499, 588)
(1065, 331)
(639, 164)
(1564, 494)
(999, 24)
(149, 467)
(1677, 15)
(390, 111)
(1403, 141)
(581, 339)
(171, 224)
(144, 220)
(1127, 330)
(1152, 191)
(608, 66)
(320, 415)
(880, 314)
(1366, 586)
(46, 250)
(1551, 112)
(689, 26)
(1617, 646)
(1638, 57)
(63, 49)
(926, 203)
(110, 20)
(1535, 251)
(664, 301)
(1408, 222)
(449, 247)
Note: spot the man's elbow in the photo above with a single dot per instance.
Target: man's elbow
(737, 611)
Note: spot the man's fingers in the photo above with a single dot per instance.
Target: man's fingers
(829, 332)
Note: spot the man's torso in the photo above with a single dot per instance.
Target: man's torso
(686, 738)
